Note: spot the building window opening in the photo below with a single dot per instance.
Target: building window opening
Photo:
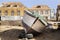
(12, 13)
(41, 12)
(15, 6)
(6, 13)
(46, 12)
(38, 6)
(8, 5)
(0, 12)
(18, 13)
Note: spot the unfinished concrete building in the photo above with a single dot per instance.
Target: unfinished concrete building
(44, 11)
(11, 11)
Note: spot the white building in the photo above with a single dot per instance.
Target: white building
(44, 11)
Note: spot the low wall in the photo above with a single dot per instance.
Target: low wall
(11, 18)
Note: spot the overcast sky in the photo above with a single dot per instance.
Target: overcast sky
(30, 3)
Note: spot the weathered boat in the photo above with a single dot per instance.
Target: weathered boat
(33, 23)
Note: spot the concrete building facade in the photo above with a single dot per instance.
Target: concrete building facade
(45, 11)
(58, 13)
(11, 10)
(15, 10)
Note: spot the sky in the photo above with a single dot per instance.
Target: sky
(30, 3)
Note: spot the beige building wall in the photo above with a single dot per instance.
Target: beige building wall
(17, 9)
(43, 10)
(11, 13)
(12, 9)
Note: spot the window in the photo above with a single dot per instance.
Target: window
(41, 12)
(8, 5)
(49, 12)
(52, 13)
(52, 10)
(6, 13)
(0, 12)
(38, 6)
(18, 13)
(14, 5)
(12, 13)
(46, 12)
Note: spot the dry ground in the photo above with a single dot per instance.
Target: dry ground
(46, 35)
